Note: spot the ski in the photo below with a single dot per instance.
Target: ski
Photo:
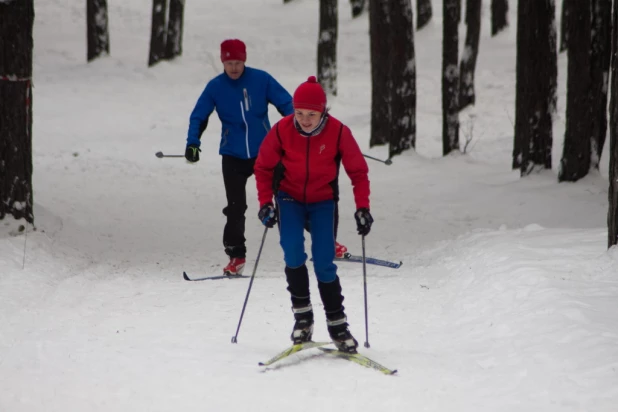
(186, 277)
(369, 261)
(293, 349)
(361, 360)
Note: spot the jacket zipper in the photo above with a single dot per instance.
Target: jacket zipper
(244, 92)
(242, 112)
(307, 176)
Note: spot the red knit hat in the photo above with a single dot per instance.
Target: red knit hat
(310, 95)
(233, 49)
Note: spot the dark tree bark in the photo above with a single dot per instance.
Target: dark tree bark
(403, 76)
(564, 25)
(524, 86)
(357, 7)
(173, 46)
(327, 46)
(599, 64)
(537, 72)
(16, 22)
(158, 32)
(379, 38)
(576, 155)
(612, 212)
(97, 28)
(499, 16)
(423, 13)
(450, 76)
(467, 66)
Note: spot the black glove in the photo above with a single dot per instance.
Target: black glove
(268, 215)
(363, 221)
(192, 153)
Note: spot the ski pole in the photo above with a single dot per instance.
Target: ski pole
(234, 340)
(365, 287)
(160, 155)
(387, 162)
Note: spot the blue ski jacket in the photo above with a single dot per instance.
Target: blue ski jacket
(242, 107)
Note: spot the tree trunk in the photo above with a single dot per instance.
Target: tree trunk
(599, 65)
(97, 31)
(612, 212)
(173, 46)
(537, 72)
(158, 32)
(471, 49)
(327, 46)
(423, 13)
(380, 37)
(450, 76)
(564, 25)
(403, 76)
(524, 99)
(16, 22)
(576, 156)
(499, 16)
(357, 7)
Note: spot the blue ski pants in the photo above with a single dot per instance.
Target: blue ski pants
(321, 217)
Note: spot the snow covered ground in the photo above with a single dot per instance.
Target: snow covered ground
(507, 299)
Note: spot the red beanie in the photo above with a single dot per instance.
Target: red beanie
(233, 49)
(310, 95)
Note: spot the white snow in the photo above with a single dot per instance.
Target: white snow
(507, 299)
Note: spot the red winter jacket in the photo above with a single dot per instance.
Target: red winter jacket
(311, 165)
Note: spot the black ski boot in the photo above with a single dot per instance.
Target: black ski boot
(340, 334)
(303, 327)
(298, 286)
(336, 320)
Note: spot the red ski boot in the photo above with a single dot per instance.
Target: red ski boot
(340, 251)
(235, 267)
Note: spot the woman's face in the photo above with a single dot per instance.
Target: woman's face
(307, 119)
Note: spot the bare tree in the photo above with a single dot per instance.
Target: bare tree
(576, 155)
(537, 72)
(564, 25)
(379, 38)
(467, 66)
(599, 65)
(499, 16)
(450, 76)
(97, 28)
(173, 44)
(357, 7)
(327, 46)
(423, 13)
(612, 212)
(16, 22)
(403, 77)
(158, 32)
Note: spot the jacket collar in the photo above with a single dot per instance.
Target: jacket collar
(315, 131)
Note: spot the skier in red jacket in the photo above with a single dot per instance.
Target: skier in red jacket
(298, 165)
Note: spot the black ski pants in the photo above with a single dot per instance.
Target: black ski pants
(236, 172)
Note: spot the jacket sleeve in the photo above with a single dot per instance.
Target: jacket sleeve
(356, 167)
(268, 157)
(279, 97)
(199, 117)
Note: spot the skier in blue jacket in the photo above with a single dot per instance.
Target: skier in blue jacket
(240, 96)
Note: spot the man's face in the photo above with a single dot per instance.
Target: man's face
(234, 68)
